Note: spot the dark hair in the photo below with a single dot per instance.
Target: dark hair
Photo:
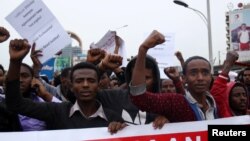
(149, 64)
(240, 76)
(29, 68)
(57, 80)
(84, 65)
(45, 78)
(1, 68)
(243, 24)
(65, 72)
(239, 84)
(247, 68)
(191, 59)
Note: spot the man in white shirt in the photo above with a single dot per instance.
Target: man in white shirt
(244, 37)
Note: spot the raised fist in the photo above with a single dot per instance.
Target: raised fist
(232, 56)
(18, 49)
(154, 39)
(95, 55)
(172, 73)
(4, 34)
(111, 61)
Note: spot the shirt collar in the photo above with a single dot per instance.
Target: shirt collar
(99, 112)
(209, 99)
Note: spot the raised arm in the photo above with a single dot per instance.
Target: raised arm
(117, 44)
(174, 75)
(18, 49)
(37, 65)
(179, 56)
(219, 87)
(138, 76)
(173, 106)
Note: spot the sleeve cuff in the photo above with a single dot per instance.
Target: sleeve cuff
(56, 100)
(223, 77)
(137, 90)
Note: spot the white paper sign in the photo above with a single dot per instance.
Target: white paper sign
(35, 22)
(164, 53)
(108, 44)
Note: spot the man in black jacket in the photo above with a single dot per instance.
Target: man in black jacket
(8, 120)
(86, 112)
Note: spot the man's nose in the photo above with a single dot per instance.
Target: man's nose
(85, 83)
(200, 76)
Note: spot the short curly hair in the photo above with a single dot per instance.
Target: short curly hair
(191, 59)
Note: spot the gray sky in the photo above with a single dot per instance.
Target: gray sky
(91, 19)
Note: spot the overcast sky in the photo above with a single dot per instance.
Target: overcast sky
(91, 19)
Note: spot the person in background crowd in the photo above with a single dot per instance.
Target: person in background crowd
(167, 86)
(231, 97)
(62, 91)
(244, 77)
(105, 81)
(174, 84)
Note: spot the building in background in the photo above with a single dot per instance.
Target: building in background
(80, 57)
(74, 53)
(71, 51)
(234, 18)
(67, 57)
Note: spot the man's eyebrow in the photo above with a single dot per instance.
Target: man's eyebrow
(199, 69)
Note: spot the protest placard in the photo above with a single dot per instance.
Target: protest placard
(34, 21)
(108, 43)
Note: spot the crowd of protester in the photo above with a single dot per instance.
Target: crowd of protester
(101, 93)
